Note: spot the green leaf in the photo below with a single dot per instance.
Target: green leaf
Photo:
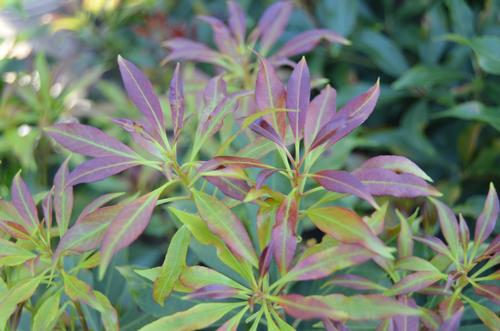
(198, 276)
(475, 111)
(427, 77)
(449, 226)
(198, 317)
(489, 318)
(405, 241)
(175, 261)
(12, 254)
(48, 313)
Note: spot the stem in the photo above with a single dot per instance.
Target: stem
(79, 310)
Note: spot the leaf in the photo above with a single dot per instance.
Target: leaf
(141, 92)
(491, 292)
(24, 203)
(198, 317)
(355, 282)
(18, 293)
(176, 100)
(175, 261)
(96, 204)
(100, 168)
(237, 20)
(415, 263)
(47, 315)
(405, 237)
(489, 318)
(452, 323)
(263, 128)
(486, 221)
(195, 277)
(128, 224)
(388, 182)
(307, 41)
(473, 110)
(221, 34)
(272, 24)
(487, 50)
(232, 323)
(185, 49)
(12, 254)
(320, 110)
(427, 77)
(87, 140)
(435, 244)
(343, 182)
(414, 282)
(449, 226)
(63, 198)
(225, 224)
(346, 226)
(398, 164)
(283, 237)
(214, 291)
(407, 322)
(297, 98)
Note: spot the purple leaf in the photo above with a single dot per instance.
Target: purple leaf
(387, 182)
(63, 197)
(213, 95)
(213, 120)
(320, 110)
(141, 92)
(265, 261)
(486, 221)
(329, 130)
(185, 49)
(126, 227)
(344, 182)
(463, 232)
(306, 41)
(222, 37)
(87, 140)
(100, 168)
(407, 322)
(47, 207)
(140, 132)
(237, 21)
(176, 100)
(493, 247)
(398, 164)
(232, 187)
(214, 291)
(272, 24)
(241, 162)
(283, 237)
(96, 204)
(297, 98)
(24, 203)
(356, 282)
(263, 128)
(435, 244)
(263, 176)
(452, 323)
(415, 282)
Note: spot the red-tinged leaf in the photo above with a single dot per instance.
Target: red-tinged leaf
(14, 230)
(232, 187)
(222, 36)
(214, 291)
(226, 225)
(141, 92)
(9, 213)
(265, 261)
(329, 130)
(88, 232)
(463, 232)
(297, 98)
(344, 182)
(387, 182)
(283, 237)
(449, 226)
(356, 282)
(435, 244)
(241, 162)
(63, 198)
(493, 248)
(452, 323)
(233, 323)
(323, 262)
(99, 168)
(272, 24)
(176, 100)
(263, 128)
(489, 318)
(491, 292)
(24, 203)
(270, 93)
(47, 208)
(311, 307)
(87, 140)
(96, 204)
(185, 49)
(320, 110)
(263, 176)
(398, 164)
(346, 226)
(127, 225)
(237, 20)
(143, 135)
(487, 219)
(306, 41)
(407, 322)
(415, 282)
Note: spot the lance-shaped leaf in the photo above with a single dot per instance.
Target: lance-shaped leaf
(232, 323)
(263, 176)
(18, 293)
(311, 307)
(24, 203)
(96, 204)
(214, 291)
(141, 92)
(8, 212)
(487, 219)
(128, 224)
(270, 93)
(398, 164)
(489, 318)
(415, 263)
(449, 226)
(262, 127)
(306, 41)
(355, 282)
(491, 292)
(87, 140)
(63, 198)
(196, 277)
(435, 244)
(143, 135)
(175, 261)
(415, 282)
(322, 262)
(320, 111)
(225, 224)
(234, 188)
(12, 254)
(213, 95)
(346, 226)
(297, 97)
(88, 232)
(185, 49)
(222, 36)
(452, 323)
(47, 208)
(344, 182)
(241, 162)
(237, 20)
(329, 130)
(100, 168)
(272, 24)
(388, 182)
(405, 241)
(265, 261)
(176, 100)
(195, 318)
(463, 232)
(47, 315)
(407, 322)
(283, 237)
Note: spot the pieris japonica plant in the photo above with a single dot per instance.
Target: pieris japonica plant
(250, 198)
